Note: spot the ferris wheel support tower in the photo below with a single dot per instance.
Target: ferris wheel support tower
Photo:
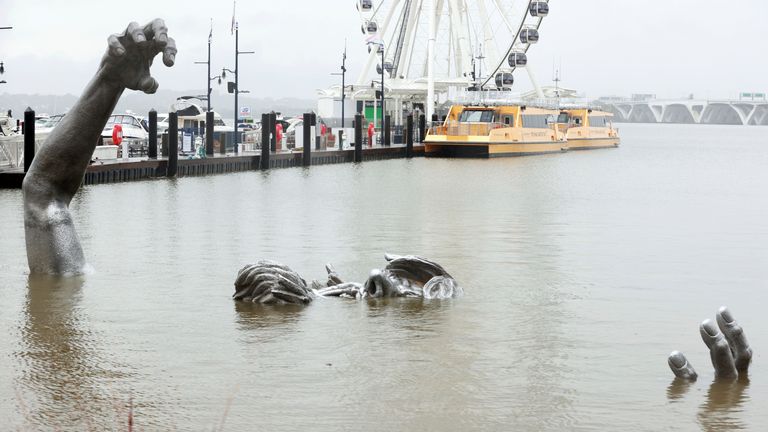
(431, 61)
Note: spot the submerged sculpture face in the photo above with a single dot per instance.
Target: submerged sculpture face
(268, 282)
(53, 246)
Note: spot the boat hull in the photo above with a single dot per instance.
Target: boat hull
(490, 150)
(592, 143)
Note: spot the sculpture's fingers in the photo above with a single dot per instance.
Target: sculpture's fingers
(148, 85)
(135, 34)
(169, 53)
(680, 366)
(116, 48)
(719, 351)
(158, 32)
(734, 334)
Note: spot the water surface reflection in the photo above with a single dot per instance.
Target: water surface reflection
(67, 380)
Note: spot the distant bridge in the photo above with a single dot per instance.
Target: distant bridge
(694, 111)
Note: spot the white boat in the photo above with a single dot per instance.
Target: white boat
(191, 115)
(133, 126)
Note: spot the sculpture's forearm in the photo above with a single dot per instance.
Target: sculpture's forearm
(62, 160)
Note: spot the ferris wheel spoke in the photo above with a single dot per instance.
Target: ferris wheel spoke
(446, 43)
(488, 40)
(524, 47)
(373, 55)
(413, 26)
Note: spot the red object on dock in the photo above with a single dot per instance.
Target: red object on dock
(117, 135)
(371, 129)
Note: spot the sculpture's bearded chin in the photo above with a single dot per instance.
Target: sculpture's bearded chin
(378, 285)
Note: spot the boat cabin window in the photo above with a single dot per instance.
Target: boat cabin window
(534, 120)
(598, 121)
(576, 121)
(509, 120)
(563, 118)
(476, 116)
(130, 121)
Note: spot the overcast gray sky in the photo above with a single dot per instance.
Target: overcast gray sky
(711, 48)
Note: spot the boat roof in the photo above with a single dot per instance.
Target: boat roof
(525, 108)
(589, 110)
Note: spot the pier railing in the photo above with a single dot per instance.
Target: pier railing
(12, 149)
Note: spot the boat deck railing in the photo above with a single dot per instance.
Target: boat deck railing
(464, 128)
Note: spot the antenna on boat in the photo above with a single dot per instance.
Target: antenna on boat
(556, 79)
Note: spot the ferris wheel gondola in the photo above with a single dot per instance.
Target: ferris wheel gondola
(442, 44)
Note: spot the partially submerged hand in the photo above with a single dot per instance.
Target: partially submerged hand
(130, 55)
(57, 169)
(728, 349)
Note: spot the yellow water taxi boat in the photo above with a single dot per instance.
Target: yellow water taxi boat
(493, 131)
(588, 129)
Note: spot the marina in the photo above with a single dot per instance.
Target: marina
(587, 270)
(373, 216)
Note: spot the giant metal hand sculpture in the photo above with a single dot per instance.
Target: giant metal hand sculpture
(728, 349)
(58, 168)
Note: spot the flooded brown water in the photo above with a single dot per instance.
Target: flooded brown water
(582, 271)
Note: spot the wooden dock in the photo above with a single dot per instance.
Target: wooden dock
(118, 171)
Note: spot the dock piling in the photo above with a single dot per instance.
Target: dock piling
(152, 150)
(387, 130)
(29, 138)
(173, 144)
(409, 136)
(209, 133)
(358, 138)
(306, 139)
(265, 141)
(422, 128)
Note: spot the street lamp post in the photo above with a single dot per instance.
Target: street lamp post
(343, 95)
(2, 66)
(383, 111)
(380, 46)
(236, 72)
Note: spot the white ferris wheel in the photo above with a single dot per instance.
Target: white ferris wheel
(428, 46)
